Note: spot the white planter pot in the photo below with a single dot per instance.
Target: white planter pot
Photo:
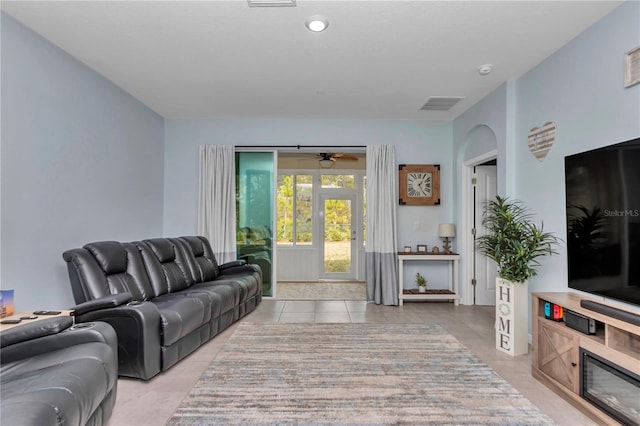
(422, 289)
(512, 317)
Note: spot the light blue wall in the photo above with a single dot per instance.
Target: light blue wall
(580, 88)
(81, 161)
(416, 142)
(492, 113)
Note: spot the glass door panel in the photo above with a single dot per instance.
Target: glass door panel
(255, 212)
(339, 241)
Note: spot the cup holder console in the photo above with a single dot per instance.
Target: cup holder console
(82, 326)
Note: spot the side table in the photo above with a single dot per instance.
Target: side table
(450, 294)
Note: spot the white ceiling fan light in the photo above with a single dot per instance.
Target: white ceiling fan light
(316, 23)
(325, 163)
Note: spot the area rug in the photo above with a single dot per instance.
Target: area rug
(321, 290)
(351, 374)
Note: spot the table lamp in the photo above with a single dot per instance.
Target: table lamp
(446, 231)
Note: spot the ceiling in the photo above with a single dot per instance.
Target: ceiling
(376, 60)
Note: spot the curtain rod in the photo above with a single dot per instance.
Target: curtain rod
(300, 146)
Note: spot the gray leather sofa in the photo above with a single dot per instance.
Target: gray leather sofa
(165, 297)
(55, 373)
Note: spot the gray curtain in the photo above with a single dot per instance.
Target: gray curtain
(217, 200)
(381, 255)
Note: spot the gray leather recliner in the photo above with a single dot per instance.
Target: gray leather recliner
(55, 373)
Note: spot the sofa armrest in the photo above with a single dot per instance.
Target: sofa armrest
(138, 326)
(232, 264)
(106, 302)
(34, 330)
(246, 269)
(50, 335)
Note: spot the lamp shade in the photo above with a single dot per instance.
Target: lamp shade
(446, 230)
(326, 164)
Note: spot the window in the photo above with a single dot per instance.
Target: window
(295, 194)
(338, 181)
(304, 209)
(364, 211)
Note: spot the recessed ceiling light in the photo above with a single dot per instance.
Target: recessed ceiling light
(316, 23)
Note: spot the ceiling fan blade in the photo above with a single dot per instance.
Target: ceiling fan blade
(335, 156)
(347, 157)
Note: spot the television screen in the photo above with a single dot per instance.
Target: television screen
(603, 221)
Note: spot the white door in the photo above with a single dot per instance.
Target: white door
(339, 234)
(486, 188)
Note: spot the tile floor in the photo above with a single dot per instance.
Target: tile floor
(153, 402)
(321, 290)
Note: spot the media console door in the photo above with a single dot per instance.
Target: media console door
(558, 354)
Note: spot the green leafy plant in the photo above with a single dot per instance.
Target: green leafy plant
(513, 240)
(420, 280)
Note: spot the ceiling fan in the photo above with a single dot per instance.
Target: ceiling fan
(328, 158)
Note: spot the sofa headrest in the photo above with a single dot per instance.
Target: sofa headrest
(162, 248)
(110, 255)
(196, 245)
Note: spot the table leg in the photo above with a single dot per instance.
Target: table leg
(400, 279)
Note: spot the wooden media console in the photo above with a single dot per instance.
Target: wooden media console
(557, 351)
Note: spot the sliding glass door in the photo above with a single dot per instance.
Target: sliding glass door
(255, 212)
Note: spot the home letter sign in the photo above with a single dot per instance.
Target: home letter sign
(511, 317)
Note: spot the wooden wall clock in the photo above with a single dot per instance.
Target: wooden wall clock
(419, 184)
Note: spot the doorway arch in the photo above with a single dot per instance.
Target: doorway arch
(480, 148)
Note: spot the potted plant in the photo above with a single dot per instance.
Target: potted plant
(515, 243)
(421, 283)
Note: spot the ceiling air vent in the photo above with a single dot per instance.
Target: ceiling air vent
(441, 103)
(271, 3)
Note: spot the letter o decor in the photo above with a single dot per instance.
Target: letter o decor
(504, 309)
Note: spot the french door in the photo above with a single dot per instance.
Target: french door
(338, 229)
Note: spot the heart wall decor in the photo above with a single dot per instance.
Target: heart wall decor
(541, 139)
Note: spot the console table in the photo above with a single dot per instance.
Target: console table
(449, 294)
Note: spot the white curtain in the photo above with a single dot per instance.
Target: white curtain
(217, 200)
(381, 255)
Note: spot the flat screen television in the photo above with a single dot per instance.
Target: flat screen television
(603, 221)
